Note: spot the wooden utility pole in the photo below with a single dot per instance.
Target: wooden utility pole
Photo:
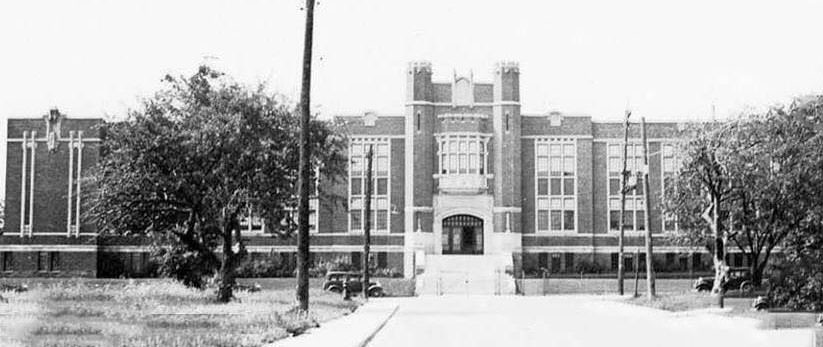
(303, 168)
(624, 175)
(650, 288)
(367, 222)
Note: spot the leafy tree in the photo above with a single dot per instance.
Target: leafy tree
(698, 192)
(763, 174)
(199, 154)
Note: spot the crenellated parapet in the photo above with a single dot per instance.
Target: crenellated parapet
(506, 67)
(421, 66)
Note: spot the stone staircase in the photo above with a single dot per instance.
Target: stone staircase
(465, 275)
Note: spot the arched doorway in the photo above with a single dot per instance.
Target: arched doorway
(462, 234)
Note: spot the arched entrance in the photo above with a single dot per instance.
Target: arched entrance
(462, 234)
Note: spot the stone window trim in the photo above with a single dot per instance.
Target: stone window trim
(635, 199)
(381, 203)
(462, 153)
(555, 163)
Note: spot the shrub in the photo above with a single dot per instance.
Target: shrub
(797, 282)
(585, 266)
(175, 260)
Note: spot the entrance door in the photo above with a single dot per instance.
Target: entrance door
(462, 234)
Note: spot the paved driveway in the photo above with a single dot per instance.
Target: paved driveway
(565, 321)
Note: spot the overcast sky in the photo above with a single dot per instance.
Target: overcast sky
(667, 60)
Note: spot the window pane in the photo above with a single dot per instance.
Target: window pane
(356, 223)
(614, 151)
(382, 186)
(356, 186)
(542, 166)
(639, 189)
(614, 186)
(542, 220)
(464, 165)
(473, 163)
(453, 167)
(543, 204)
(356, 204)
(568, 186)
(556, 186)
(357, 166)
(556, 221)
(357, 149)
(615, 166)
(568, 166)
(382, 150)
(382, 219)
(668, 164)
(668, 150)
(543, 150)
(382, 166)
(641, 223)
(555, 150)
(556, 166)
(568, 220)
(556, 204)
(444, 164)
(568, 204)
(452, 146)
(614, 204)
(614, 220)
(473, 146)
(542, 186)
(629, 220)
(568, 150)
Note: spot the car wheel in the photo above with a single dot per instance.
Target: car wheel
(703, 289)
(746, 287)
(335, 289)
(376, 293)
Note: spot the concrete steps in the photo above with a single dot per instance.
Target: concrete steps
(466, 275)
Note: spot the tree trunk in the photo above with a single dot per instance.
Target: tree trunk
(624, 176)
(227, 276)
(720, 267)
(650, 285)
(367, 224)
(303, 180)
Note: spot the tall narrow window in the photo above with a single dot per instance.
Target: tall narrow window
(381, 171)
(508, 119)
(555, 167)
(417, 120)
(669, 174)
(635, 200)
(8, 261)
(54, 261)
(42, 261)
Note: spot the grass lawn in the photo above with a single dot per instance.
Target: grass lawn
(92, 312)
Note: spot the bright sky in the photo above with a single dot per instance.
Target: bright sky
(667, 61)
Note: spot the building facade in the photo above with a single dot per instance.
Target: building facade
(462, 172)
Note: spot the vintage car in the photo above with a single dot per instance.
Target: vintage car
(354, 280)
(738, 278)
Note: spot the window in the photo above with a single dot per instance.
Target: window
(635, 201)
(556, 161)
(669, 168)
(543, 261)
(8, 261)
(508, 120)
(462, 154)
(615, 261)
(569, 261)
(42, 261)
(379, 216)
(417, 120)
(382, 260)
(54, 261)
(555, 263)
(357, 260)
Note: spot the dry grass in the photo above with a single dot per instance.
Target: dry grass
(154, 313)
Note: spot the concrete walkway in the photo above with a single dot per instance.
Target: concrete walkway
(353, 330)
(566, 321)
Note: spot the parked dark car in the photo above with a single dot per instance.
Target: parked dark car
(335, 280)
(738, 278)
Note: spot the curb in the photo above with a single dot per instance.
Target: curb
(371, 336)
